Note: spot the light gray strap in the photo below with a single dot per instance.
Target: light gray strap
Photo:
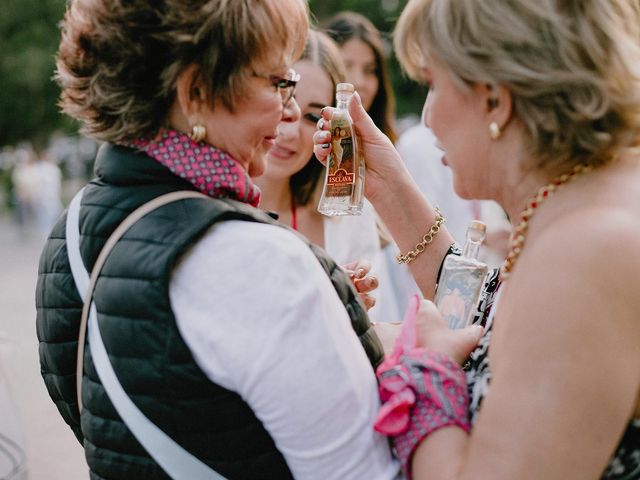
(80, 276)
(174, 460)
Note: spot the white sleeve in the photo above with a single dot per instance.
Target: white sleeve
(351, 238)
(262, 319)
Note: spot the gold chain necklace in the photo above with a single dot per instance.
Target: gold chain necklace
(520, 231)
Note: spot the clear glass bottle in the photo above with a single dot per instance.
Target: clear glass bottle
(461, 280)
(343, 191)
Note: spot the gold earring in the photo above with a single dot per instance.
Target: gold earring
(494, 131)
(198, 132)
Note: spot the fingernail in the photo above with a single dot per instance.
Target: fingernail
(325, 145)
(321, 124)
(360, 272)
(356, 95)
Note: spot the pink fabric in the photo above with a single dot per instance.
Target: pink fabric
(211, 170)
(421, 391)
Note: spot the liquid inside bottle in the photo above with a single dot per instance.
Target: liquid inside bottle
(461, 280)
(343, 191)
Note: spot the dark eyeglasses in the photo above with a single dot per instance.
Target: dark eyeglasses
(286, 85)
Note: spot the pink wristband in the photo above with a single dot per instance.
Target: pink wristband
(421, 391)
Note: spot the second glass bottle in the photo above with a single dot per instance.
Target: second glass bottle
(461, 280)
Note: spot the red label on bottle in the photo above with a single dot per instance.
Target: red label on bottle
(341, 177)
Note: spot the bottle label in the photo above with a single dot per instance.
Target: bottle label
(341, 175)
(459, 291)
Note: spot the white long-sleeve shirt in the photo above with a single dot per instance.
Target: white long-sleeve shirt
(262, 318)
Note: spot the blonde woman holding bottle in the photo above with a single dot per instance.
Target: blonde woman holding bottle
(536, 105)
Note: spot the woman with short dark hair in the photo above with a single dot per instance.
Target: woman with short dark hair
(210, 315)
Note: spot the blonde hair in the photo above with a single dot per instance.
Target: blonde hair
(118, 61)
(572, 66)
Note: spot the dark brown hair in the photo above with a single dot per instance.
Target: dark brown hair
(348, 25)
(119, 60)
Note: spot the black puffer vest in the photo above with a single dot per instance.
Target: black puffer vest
(149, 356)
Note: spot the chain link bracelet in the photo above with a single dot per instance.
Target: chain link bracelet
(426, 240)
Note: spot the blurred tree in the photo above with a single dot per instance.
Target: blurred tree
(384, 14)
(29, 38)
(28, 41)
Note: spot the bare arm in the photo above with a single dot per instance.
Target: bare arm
(395, 196)
(565, 361)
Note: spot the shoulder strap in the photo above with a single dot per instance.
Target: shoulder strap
(172, 458)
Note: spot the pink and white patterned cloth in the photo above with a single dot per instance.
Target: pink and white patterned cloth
(212, 171)
(421, 391)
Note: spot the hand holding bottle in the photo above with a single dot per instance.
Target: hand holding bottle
(344, 181)
(461, 280)
(392, 191)
(434, 333)
(384, 164)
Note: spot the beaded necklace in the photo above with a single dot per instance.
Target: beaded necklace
(520, 231)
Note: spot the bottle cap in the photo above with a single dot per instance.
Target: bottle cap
(345, 87)
(477, 231)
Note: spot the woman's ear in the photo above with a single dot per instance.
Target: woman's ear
(190, 92)
(499, 104)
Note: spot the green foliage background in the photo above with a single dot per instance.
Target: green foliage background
(29, 37)
(28, 41)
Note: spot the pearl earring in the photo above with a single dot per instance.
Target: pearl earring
(198, 132)
(494, 131)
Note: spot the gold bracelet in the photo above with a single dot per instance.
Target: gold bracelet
(426, 240)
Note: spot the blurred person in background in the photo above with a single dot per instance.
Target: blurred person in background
(364, 56)
(246, 346)
(25, 187)
(37, 184)
(47, 203)
(292, 182)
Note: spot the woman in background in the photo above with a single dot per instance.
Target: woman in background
(292, 183)
(362, 49)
